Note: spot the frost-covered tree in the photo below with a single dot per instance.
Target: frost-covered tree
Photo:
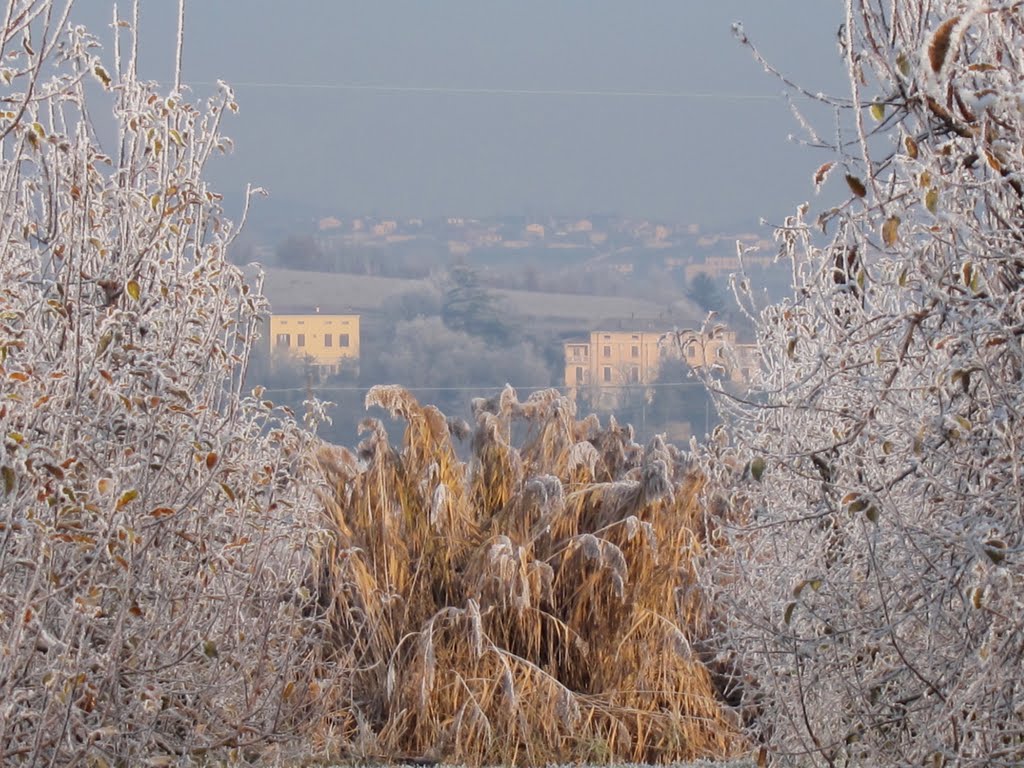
(871, 552)
(152, 535)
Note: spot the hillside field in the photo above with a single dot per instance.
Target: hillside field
(295, 290)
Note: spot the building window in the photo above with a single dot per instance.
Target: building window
(607, 351)
(607, 373)
(283, 340)
(328, 339)
(635, 351)
(579, 374)
(342, 339)
(300, 340)
(634, 374)
(691, 351)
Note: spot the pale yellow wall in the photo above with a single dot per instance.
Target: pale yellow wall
(330, 340)
(577, 364)
(621, 358)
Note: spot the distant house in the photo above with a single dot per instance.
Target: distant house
(385, 228)
(327, 343)
(606, 366)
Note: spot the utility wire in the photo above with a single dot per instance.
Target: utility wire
(490, 388)
(459, 91)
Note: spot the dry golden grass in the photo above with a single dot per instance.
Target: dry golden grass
(534, 605)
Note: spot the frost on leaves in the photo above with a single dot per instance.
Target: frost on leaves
(150, 526)
(888, 424)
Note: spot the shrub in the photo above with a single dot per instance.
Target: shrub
(152, 531)
(533, 605)
(868, 579)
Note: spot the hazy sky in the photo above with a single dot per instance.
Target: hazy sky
(532, 106)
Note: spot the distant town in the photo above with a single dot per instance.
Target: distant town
(610, 310)
(613, 245)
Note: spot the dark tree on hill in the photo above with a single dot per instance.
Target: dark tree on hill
(470, 308)
(301, 252)
(706, 293)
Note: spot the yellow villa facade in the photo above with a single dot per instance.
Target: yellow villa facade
(329, 343)
(610, 362)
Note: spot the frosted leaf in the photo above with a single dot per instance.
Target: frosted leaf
(396, 400)
(656, 483)
(544, 492)
(619, 585)
(590, 545)
(584, 455)
(543, 578)
(613, 558)
(652, 538)
(587, 427)
(500, 549)
(567, 708)
(508, 688)
(389, 681)
(680, 645)
(427, 681)
(439, 507)
(459, 428)
(476, 627)
(508, 403)
(376, 442)
(657, 450)
(482, 405)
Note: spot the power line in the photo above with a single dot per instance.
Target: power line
(488, 388)
(462, 91)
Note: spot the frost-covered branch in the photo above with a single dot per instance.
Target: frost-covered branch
(871, 555)
(153, 528)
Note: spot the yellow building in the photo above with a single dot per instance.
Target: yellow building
(612, 362)
(329, 343)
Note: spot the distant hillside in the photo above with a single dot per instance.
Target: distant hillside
(291, 290)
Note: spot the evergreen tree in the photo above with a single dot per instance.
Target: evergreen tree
(469, 307)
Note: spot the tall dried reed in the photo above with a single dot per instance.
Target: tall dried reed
(535, 604)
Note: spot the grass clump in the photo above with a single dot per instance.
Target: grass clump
(533, 604)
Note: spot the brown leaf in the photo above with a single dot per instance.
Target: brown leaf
(127, 497)
(891, 230)
(939, 47)
(856, 185)
(821, 174)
